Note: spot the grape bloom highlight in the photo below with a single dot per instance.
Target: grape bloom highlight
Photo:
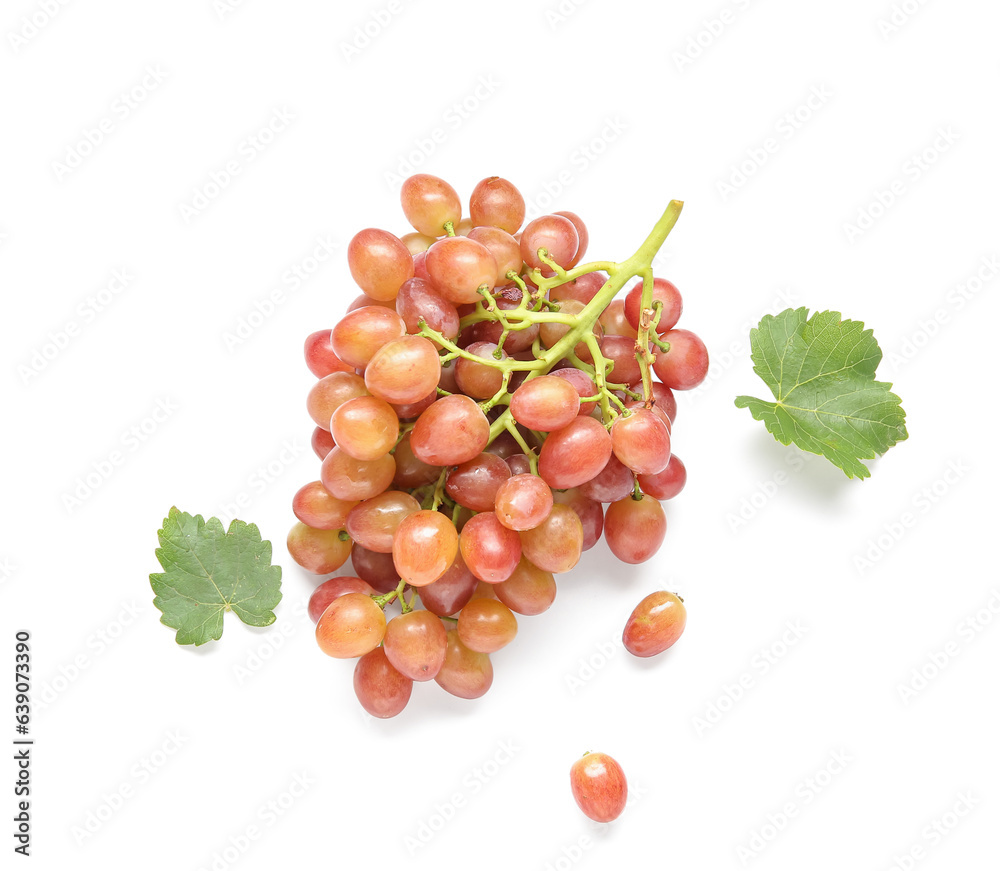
(485, 410)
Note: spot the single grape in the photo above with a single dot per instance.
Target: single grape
(599, 787)
(373, 523)
(365, 427)
(529, 590)
(351, 479)
(556, 543)
(428, 203)
(381, 689)
(665, 484)
(641, 441)
(556, 234)
(523, 501)
(486, 625)
(475, 483)
(590, 512)
(685, 365)
(582, 234)
(614, 322)
(582, 383)
(574, 454)
(449, 593)
(465, 673)
(419, 301)
(410, 411)
(375, 568)
(655, 624)
(417, 242)
(490, 549)
(452, 431)
(479, 380)
(505, 250)
(410, 471)
(322, 442)
(495, 202)
(317, 507)
(350, 626)
(404, 370)
(415, 644)
(319, 551)
(620, 350)
(424, 547)
(615, 481)
(582, 289)
(552, 331)
(520, 464)
(663, 291)
(320, 356)
(459, 266)
(332, 589)
(360, 333)
(330, 392)
(545, 403)
(635, 528)
(379, 263)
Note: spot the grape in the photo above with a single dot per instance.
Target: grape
(582, 235)
(574, 454)
(663, 291)
(685, 365)
(351, 479)
(452, 431)
(409, 411)
(486, 625)
(322, 442)
(418, 300)
(529, 590)
(379, 263)
(449, 593)
(459, 266)
(590, 512)
(424, 547)
(319, 551)
(373, 523)
(523, 501)
(363, 331)
(366, 427)
(489, 548)
(317, 507)
(465, 673)
(615, 481)
(552, 331)
(665, 484)
(411, 472)
(505, 249)
(364, 300)
(655, 624)
(520, 464)
(330, 392)
(556, 543)
(614, 322)
(620, 350)
(475, 483)
(545, 403)
(495, 202)
(556, 234)
(350, 626)
(582, 289)
(415, 644)
(429, 203)
(375, 568)
(582, 383)
(332, 589)
(599, 786)
(382, 691)
(320, 356)
(641, 441)
(477, 379)
(404, 370)
(417, 242)
(635, 528)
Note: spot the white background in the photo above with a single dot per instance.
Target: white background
(603, 109)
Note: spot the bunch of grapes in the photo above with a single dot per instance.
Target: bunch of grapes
(484, 410)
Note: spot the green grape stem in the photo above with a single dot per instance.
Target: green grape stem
(580, 325)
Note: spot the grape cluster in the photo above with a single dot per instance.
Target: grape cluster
(476, 408)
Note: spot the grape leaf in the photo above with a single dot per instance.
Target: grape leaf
(208, 571)
(821, 370)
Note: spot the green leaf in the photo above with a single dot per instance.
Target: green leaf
(821, 370)
(208, 571)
